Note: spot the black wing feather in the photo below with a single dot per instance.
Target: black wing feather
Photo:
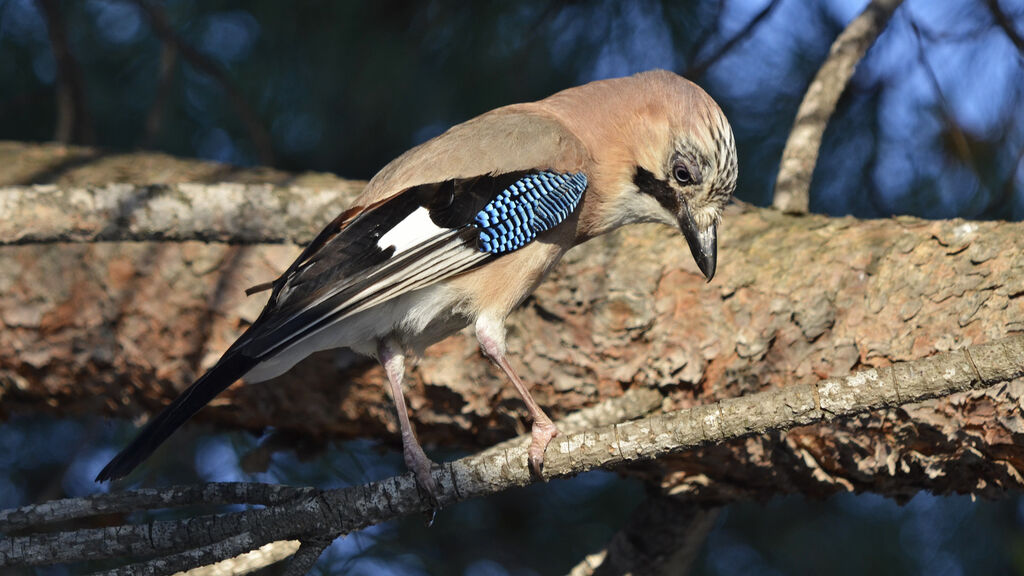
(229, 369)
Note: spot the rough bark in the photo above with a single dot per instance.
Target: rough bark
(120, 327)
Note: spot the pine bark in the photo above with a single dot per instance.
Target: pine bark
(121, 327)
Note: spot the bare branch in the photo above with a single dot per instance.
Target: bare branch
(249, 562)
(212, 494)
(342, 511)
(1004, 21)
(165, 78)
(209, 554)
(305, 558)
(792, 188)
(663, 536)
(698, 70)
(801, 298)
(963, 149)
(73, 122)
(209, 534)
(230, 213)
(257, 132)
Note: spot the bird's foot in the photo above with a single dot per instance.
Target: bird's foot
(421, 467)
(543, 431)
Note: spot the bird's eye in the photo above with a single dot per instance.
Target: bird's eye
(682, 174)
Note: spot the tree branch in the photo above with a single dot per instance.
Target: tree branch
(307, 555)
(792, 188)
(212, 494)
(342, 511)
(663, 536)
(698, 69)
(1004, 21)
(73, 122)
(250, 562)
(226, 212)
(209, 546)
(257, 132)
(165, 77)
(118, 328)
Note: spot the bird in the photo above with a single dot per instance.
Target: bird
(459, 230)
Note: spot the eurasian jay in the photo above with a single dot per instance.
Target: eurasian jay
(460, 229)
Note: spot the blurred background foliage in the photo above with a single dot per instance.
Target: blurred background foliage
(931, 125)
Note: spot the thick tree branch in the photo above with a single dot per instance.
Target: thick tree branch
(226, 212)
(341, 511)
(801, 152)
(120, 327)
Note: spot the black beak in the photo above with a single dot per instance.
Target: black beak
(703, 243)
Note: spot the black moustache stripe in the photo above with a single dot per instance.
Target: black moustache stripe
(657, 189)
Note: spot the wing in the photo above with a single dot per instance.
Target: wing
(422, 236)
(425, 205)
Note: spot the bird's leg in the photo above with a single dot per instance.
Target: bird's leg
(491, 335)
(393, 361)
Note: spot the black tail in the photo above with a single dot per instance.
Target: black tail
(230, 368)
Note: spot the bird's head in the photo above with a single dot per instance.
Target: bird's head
(686, 165)
(674, 160)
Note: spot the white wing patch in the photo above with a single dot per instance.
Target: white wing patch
(413, 230)
(437, 256)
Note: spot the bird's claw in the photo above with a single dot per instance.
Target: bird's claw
(543, 432)
(421, 467)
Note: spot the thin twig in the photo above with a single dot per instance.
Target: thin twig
(959, 138)
(257, 132)
(698, 70)
(73, 123)
(165, 80)
(708, 31)
(664, 535)
(1004, 21)
(201, 556)
(792, 188)
(212, 494)
(307, 555)
(249, 562)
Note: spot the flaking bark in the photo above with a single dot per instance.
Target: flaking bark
(120, 327)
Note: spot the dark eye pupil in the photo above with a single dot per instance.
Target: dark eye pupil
(682, 174)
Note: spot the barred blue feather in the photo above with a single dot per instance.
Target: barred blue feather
(531, 205)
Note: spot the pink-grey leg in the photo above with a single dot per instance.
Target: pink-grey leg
(491, 335)
(393, 360)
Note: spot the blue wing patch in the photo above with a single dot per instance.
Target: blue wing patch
(531, 205)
